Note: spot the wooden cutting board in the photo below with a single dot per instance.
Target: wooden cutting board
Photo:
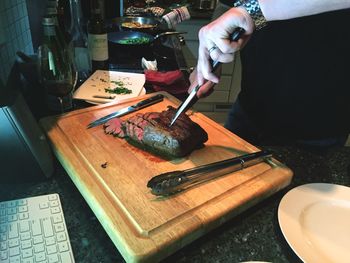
(146, 228)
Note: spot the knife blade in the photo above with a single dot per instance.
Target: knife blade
(185, 105)
(142, 104)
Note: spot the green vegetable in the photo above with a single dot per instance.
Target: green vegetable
(135, 41)
(118, 90)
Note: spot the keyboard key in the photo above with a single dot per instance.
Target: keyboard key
(11, 211)
(3, 219)
(47, 226)
(57, 219)
(2, 212)
(12, 218)
(10, 204)
(63, 246)
(13, 242)
(39, 248)
(3, 228)
(58, 227)
(22, 202)
(53, 258)
(38, 240)
(15, 259)
(40, 257)
(54, 203)
(52, 197)
(25, 236)
(23, 216)
(55, 210)
(3, 245)
(28, 260)
(22, 209)
(66, 257)
(23, 226)
(50, 241)
(26, 244)
(51, 249)
(27, 253)
(44, 205)
(61, 237)
(14, 251)
(13, 231)
(3, 237)
(3, 255)
(36, 227)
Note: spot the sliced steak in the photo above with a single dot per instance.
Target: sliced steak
(151, 132)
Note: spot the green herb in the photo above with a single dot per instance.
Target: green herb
(118, 90)
(135, 41)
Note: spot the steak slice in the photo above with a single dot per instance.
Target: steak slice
(151, 132)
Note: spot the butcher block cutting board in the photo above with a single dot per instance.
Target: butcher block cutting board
(112, 176)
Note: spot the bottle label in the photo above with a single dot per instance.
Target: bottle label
(98, 47)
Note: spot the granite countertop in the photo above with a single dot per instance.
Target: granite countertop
(253, 235)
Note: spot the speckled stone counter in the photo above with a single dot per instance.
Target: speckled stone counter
(253, 235)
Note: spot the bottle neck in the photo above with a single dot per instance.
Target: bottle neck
(76, 28)
(97, 7)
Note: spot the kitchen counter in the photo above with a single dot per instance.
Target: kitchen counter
(253, 235)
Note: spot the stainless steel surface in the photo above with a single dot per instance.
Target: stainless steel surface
(176, 181)
(142, 104)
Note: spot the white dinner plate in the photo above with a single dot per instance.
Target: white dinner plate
(94, 88)
(315, 220)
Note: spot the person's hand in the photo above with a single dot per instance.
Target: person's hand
(206, 89)
(217, 33)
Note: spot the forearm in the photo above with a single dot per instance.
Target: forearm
(287, 9)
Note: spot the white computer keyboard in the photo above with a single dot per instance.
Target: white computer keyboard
(34, 230)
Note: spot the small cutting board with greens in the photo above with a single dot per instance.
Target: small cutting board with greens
(106, 86)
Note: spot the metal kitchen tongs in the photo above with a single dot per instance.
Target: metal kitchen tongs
(176, 181)
(186, 104)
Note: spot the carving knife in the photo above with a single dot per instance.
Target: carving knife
(187, 103)
(142, 104)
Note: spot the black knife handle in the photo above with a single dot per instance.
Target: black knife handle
(149, 101)
(234, 37)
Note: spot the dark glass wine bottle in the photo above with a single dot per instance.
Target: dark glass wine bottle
(97, 37)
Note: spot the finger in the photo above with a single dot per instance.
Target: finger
(206, 89)
(218, 55)
(204, 68)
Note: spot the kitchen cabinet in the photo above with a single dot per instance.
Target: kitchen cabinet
(219, 102)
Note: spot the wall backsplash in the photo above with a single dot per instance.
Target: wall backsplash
(14, 34)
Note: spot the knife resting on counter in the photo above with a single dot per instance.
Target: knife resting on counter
(175, 181)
